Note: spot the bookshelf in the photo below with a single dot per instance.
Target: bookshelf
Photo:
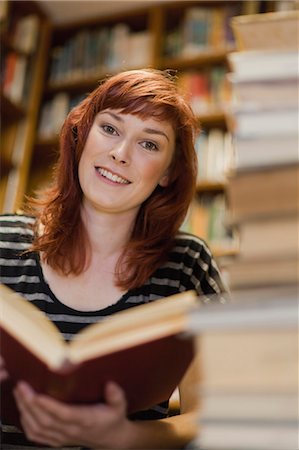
(24, 37)
(160, 36)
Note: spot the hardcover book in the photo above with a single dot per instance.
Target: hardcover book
(144, 349)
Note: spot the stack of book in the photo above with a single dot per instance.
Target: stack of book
(249, 388)
(249, 347)
(263, 189)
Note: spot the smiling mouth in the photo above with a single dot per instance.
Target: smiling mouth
(112, 176)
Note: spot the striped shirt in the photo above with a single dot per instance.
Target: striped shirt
(190, 265)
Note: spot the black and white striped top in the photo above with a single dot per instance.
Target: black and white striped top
(190, 266)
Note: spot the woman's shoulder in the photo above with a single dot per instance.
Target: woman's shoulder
(199, 269)
(189, 243)
(17, 220)
(17, 226)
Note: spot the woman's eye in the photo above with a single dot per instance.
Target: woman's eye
(148, 145)
(109, 129)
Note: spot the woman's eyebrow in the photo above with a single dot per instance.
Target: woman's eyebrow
(153, 131)
(115, 116)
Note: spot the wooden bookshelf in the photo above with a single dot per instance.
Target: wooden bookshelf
(206, 58)
(20, 107)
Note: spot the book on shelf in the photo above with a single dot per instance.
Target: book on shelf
(206, 90)
(286, 5)
(263, 65)
(237, 435)
(217, 30)
(90, 53)
(258, 93)
(25, 35)
(251, 122)
(207, 219)
(253, 272)
(237, 404)
(195, 87)
(145, 350)
(15, 73)
(195, 30)
(250, 360)
(119, 46)
(269, 191)
(10, 62)
(258, 236)
(54, 112)
(261, 152)
(140, 43)
(273, 30)
(215, 154)
(201, 29)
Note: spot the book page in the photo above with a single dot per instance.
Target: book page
(30, 326)
(138, 324)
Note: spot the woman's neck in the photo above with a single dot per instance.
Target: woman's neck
(107, 233)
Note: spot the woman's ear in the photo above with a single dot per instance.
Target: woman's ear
(164, 180)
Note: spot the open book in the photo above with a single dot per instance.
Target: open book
(144, 349)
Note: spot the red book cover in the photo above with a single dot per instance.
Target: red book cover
(148, 368)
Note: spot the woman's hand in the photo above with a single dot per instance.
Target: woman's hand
(50, 422)
(3, 371)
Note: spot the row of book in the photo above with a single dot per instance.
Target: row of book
(249, 393)
(215, 154)
(200, 29)
(204, 28)
(54, 112)
(207, 90)
(25, 33)
(91, 52)
(16, 64)
(207, 219)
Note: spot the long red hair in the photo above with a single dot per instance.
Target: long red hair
(64, 243)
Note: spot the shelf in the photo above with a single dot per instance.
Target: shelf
(209, 186)
(76, 85)
(213, 118)
(220, 251)
(47, 142)
(205, 58)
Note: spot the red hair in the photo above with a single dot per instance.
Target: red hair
(64, 243)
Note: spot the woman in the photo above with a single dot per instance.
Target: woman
(106, 237)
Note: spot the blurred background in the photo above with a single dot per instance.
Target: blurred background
(237, 64)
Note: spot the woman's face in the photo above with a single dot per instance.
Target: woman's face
(123, 160)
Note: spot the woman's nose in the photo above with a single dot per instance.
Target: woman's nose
(120, 153)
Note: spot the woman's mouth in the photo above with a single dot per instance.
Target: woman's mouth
(112, 176)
